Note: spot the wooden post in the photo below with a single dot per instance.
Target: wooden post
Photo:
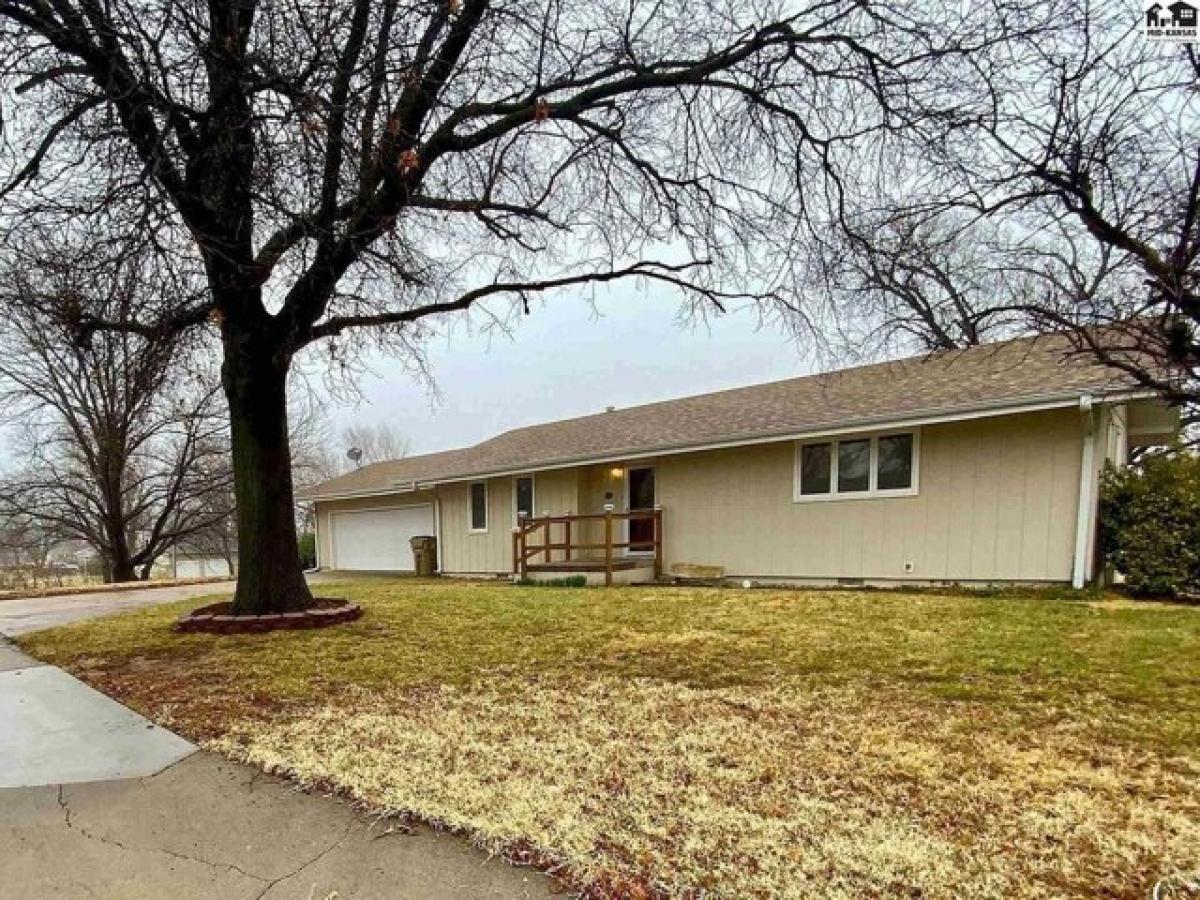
(549, 530)
(608, 548)
(515, 545)
(567, 529)
(658, 550)
(523, 557)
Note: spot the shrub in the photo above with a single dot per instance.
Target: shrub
(1150, 524)
(308, 550)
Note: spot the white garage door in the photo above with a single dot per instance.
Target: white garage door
(377, 539)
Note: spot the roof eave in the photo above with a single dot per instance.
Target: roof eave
(926, 417)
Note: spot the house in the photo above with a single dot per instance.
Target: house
(1183, 15)
(975, 466)
(1153, 16)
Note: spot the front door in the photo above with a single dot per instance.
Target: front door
(641, 496)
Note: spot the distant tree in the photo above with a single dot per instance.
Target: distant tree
(122, 446)
(377, 443)
(26, 541)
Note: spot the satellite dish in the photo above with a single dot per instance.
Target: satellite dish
(354, 454)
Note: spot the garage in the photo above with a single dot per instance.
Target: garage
(376, 540)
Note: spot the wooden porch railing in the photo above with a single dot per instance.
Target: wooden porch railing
(525, 547)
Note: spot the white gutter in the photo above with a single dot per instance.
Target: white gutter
(437, 531)
(1057, 401)
(1084, 514)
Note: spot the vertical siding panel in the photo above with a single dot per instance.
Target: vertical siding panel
(936, 487)
(983, 516)
(1010, 508)
(961, 474)
(1036, 543)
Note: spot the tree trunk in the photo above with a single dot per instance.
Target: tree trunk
(121, 570)
(254, 375)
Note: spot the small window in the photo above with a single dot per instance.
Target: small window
(524, 497)
(816, 462)
(479, 505)
(895, 462)
(854, 466)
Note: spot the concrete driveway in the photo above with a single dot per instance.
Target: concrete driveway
(19, 616)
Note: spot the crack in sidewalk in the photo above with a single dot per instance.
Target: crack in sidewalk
(113, 842)
(312, 862)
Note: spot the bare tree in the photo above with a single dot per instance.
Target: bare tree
(1075, 186)
(27, 542)
(347, 168)
(894, 277)
(122, 446)
(376, 443)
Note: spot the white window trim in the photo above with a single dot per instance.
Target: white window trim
(872, 492)
(532, 512)
(471, 529)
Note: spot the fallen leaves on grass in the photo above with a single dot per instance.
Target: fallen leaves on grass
(640, 785)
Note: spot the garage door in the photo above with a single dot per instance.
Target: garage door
(377, 539)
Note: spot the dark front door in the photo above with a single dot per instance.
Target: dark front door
(641, 496)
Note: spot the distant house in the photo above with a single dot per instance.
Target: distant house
(1153, 17)
(1183, 15)
(979, 466)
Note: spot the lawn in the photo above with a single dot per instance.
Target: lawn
(719, 743)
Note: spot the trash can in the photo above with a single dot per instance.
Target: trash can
(424, 547)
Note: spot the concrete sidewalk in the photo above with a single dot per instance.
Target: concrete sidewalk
(96, 801)
(207, 828)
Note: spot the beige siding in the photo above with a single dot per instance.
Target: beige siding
(326, 507)
(464, 551)
(997, 501)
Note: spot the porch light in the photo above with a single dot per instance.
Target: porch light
(617, 472)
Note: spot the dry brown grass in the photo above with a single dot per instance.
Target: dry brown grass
(722, 744)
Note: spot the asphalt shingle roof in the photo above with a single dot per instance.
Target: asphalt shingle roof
(1023, 371)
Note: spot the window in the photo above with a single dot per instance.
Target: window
(854, 466)
(523, 500)
(881, 465)
(895, 465)
(479, 505)
(816, 462)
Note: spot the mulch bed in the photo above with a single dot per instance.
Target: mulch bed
(216, 618)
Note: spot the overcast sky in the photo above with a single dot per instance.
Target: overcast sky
(567, 358)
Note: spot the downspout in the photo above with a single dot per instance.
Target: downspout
(1087, 472)
(437, 530)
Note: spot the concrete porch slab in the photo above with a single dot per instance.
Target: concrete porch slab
(54, 729)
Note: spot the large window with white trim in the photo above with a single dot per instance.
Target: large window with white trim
(882, 465)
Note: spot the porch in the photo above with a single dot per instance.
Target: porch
(608, 547)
